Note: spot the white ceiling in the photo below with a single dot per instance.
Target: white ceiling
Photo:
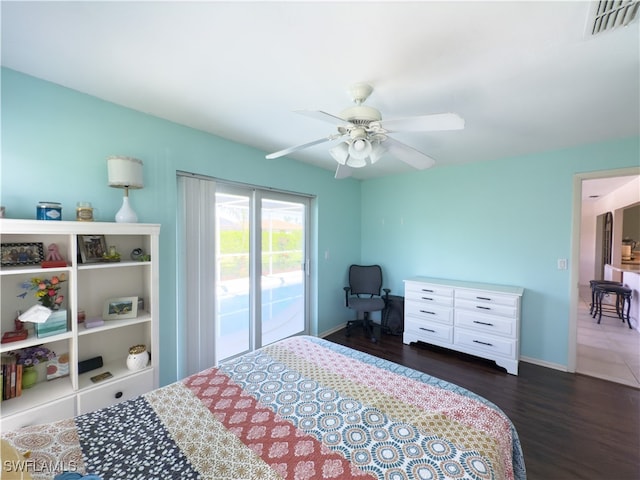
(524, 75)
(596, 188)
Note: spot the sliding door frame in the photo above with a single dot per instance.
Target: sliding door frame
(207, 210)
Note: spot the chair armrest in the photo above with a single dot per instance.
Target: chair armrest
(346, 296)
(386, 293)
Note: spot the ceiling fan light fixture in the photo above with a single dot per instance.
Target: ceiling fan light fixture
(354, 162)
(377, 150)
(360, 146)
(340, 153)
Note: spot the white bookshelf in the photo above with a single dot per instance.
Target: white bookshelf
(88, 287)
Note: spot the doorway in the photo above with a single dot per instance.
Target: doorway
(608, 350)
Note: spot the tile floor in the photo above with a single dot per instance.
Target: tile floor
(610, 350)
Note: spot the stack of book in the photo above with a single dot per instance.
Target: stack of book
(11, 380)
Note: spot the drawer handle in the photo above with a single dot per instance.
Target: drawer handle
(425, 311)
(427, 330)
(426, 298)
(483, 308)
(483, 323)
(483, 343)
(427, 290)
(118, 394)
(484, 298)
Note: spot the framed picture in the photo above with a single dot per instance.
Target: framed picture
(91, 248)
(120, 308)
(16, 254)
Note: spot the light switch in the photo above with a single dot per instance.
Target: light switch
(562, 264)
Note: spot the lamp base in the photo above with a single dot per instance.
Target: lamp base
(126, 213)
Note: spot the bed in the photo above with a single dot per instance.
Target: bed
(301, 408)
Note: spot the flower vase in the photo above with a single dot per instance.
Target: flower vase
(29, 377)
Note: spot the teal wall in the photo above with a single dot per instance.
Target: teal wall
(54, 147)
(504, 221)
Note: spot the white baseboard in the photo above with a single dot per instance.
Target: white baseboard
(542, 363)
(332, 330)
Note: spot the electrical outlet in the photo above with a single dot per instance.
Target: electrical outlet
(562, 264)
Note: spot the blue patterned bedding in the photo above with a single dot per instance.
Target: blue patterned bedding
(303, 408)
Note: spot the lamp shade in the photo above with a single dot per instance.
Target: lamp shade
(340, 153)
(377, 151)
(125, 172)
(354, 162)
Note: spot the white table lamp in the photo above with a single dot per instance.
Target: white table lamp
(125, 172)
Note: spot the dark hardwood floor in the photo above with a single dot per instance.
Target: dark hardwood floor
(570, 426)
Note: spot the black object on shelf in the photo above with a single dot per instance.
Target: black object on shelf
(90, 364)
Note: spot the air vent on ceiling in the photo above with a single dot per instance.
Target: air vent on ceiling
(608, 15)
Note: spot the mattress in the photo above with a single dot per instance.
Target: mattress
(302, 408)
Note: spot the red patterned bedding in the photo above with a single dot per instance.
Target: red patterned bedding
(303, 408)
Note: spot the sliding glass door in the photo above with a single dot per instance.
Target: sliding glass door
(232, 271)
(282, 282)
(261, 268)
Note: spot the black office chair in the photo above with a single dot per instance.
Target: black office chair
(363, 295)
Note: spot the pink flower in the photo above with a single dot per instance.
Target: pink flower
(55, 280)
(42, 286)
(59, 300)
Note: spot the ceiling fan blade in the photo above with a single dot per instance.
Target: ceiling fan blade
(409, 155)
(425, 123)
(324, 116)
(343, 171)
(289, 150)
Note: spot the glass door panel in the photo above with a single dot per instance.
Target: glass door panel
(233, 302)
(283, 259)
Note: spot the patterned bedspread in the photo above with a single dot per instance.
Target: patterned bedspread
(303, 408)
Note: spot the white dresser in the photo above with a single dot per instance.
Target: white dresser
(476, 318)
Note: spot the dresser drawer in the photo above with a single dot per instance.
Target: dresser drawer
(427, 311)
(487, 297)
(486, 307)
(49, 412)
(416, 290)
(428, 331)
(115, 391)
(486, 344)
(489, 324)
(430, 298)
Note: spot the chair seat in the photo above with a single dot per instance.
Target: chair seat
(366, 304)
(363, 296)
(622, 301)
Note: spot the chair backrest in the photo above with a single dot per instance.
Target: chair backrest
(365, 279)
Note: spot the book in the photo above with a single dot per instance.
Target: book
(19, 380)
(14, 336)
(9, 370)
(13, 380)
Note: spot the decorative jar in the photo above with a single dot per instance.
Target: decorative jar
(138, 357)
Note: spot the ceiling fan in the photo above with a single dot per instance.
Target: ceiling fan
(364, 136)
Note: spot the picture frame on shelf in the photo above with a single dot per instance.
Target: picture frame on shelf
(21, 254)
(120, 308)
(92, 248)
